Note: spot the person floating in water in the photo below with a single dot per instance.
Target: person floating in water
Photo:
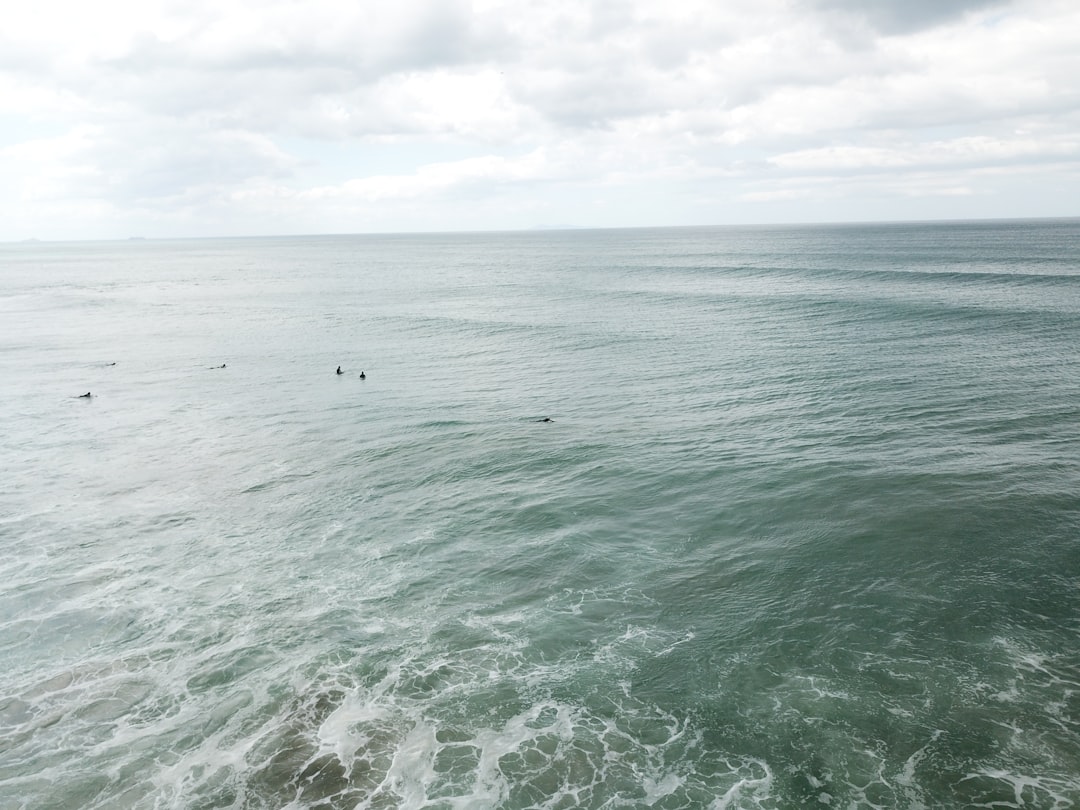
(339, 371)
(85, 396)
(363, 376)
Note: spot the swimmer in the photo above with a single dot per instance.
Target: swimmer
(84, 396)
(545, 419)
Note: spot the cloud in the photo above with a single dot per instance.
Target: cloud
(241, 107)
(892, 17)
(170, 163)
(958, 152)
(368, 41)
(776, 194)
(439, 179)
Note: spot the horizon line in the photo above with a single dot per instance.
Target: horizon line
(545, 229)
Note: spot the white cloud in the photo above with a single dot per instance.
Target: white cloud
(777, 194)
(958, 152)
(168, 106)
(437, 179)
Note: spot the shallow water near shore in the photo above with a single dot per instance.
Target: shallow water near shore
(803, 532)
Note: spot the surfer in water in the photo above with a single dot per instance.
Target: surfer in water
(84, 396)
(339, 371)
(546, 419)
(363, 376)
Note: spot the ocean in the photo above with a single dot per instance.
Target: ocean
(803, 529)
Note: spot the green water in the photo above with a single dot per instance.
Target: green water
(803, 531)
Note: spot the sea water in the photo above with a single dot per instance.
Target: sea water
(804, 530)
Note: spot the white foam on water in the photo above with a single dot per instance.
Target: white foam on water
(413, 756)
(411, 769)
(430, 727)
(1026, 790)
(656, 789)
(751, 789)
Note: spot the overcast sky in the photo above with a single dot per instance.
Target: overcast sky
(166, 118)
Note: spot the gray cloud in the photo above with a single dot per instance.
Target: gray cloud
(367, 47)
(905, 16)
(283, 74)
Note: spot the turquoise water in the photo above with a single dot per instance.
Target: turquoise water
(803, 532)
